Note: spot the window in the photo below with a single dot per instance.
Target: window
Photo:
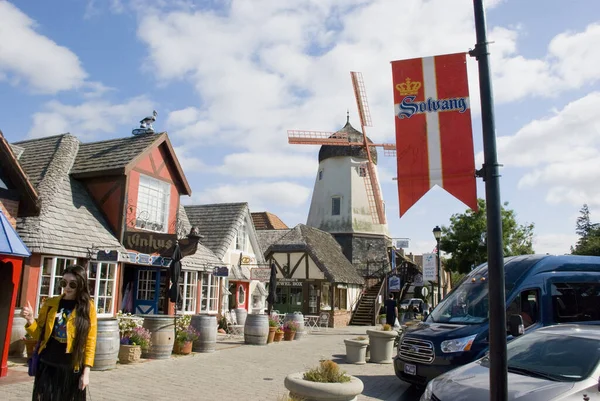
(341, 298)
(575, 302)
(101, 283)
(50, 274)
(336, 203)
(153, 205)
(325, 291)
(241, 238)
(362, 170)
(525, 304)
(320, 175)
(241, 295)
(188, 290)
(210, 293)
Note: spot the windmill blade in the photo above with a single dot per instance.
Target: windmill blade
(320, 138)
(373, 193)
(361, 99)
(389, 149)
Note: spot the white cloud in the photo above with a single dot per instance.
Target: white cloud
(181, 118)
(268, 165)
(29, 56)
(89, 119)
(258, 194)
(554, 244)
(189, 163)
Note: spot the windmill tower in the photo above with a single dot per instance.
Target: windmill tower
(346, 200)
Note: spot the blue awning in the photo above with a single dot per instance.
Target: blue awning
(10, 243)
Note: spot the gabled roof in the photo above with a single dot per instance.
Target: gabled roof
(323, 249)
(218, 223)
(268, 237)
(267, 221)
(37, 156)
(120, 155)
(11, 167)
(204, 258)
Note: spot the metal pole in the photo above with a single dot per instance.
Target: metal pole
(490, 174)
(439, 268)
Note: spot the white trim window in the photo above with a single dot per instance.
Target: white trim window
(50, 274)
(210, 294)
(153, 204)
(336, 205)
(188, 290)
(241, 239)
(101, 282)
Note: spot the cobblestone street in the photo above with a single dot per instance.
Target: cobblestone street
(235, 371)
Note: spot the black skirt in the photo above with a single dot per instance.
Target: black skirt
(57, 383)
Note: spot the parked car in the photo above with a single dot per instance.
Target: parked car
(409, 304)
(553, 363)
(544, 290)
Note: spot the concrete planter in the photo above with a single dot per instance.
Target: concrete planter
(356, 351)
(312, 391)
(381, 344)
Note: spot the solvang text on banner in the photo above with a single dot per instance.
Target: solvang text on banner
(434, 139)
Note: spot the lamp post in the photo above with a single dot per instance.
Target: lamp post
(437, 233)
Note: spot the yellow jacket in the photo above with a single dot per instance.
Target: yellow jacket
(47, 315)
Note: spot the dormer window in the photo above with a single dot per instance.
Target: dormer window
(153, 205)
(241, 238)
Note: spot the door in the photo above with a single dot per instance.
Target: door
(289, 299)
(147, 292)
(313, 299)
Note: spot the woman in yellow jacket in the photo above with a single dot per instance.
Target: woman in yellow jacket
(67, 324)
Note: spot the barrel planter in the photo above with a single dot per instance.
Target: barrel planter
(206, 326)
(381, 344)
(299, 319)
(17, 346)
(256, 329)
(162, 336)
(107, 344)
(240, 316)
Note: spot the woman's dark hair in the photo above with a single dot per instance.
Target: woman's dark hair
(82, 317)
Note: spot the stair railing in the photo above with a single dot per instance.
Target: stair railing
(378, 303)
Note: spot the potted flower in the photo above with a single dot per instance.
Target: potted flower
(278, 334)
(273, 325)
(30, 343)
(132, 344)
(356, 350)
(381, 344)
(184, 340)
(326, 382)
(289, 330)
(382, 318)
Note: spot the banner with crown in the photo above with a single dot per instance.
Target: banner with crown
(434, 140)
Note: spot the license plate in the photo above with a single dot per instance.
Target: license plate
(410, 369)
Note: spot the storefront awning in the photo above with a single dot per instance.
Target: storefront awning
(10, 243)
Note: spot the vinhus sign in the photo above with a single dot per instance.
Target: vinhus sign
(148, 243)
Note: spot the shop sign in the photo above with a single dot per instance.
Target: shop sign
(429, 267)
(289, 282)
(107, 256)
(221, 271)
(260, 274)
(394, 283)
(145, 259)
(149, 243)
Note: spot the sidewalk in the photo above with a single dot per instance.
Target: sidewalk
(235, 371)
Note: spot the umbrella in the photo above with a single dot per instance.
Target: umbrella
(272, 298)
(175, 271)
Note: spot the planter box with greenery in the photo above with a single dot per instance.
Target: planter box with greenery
(289, 330)
(130, 350)
(356, 350)
(326, 382)
(185, 335)
(273, 326)
(381, 344)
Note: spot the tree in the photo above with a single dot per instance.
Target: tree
(589, 234)
(465, 239)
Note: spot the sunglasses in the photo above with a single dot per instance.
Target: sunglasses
(72, 284)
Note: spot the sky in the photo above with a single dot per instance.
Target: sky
(230, 77)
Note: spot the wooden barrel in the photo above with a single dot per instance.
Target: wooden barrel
(256, 329)
(107, 344)
(299, 319)
(240, 316)
(162, 335)
(206, 326)
(17, 346)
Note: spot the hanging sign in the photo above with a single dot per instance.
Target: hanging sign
(148, 242)
(107, 256)
(394, 283)
(429, 267)
(260, 274)
(221, 271)
(434, 140)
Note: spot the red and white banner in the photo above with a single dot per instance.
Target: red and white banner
(434, 140)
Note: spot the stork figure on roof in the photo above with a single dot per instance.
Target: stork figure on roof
(146, 125)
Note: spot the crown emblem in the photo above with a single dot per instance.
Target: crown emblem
(408, 87)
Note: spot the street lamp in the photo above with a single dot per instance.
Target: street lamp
(437, 233)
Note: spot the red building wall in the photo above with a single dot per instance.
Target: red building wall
(10, 208)
(108, 194)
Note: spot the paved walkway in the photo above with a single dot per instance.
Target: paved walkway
(235, 371)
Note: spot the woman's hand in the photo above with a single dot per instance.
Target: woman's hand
(84, 380)
(27, 313)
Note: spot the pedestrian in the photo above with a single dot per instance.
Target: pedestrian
(391, 310)
(66, 325)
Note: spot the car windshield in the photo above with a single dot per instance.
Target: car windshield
(556, 357)
(468, 304)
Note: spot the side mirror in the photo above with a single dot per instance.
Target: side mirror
(515, 325)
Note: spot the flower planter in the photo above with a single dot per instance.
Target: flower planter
(356, 351)
(271, 336)
(381, 344)
(183, 348)
(313, 391)
(278, 337)
(382, 320)
(129, 353)
(289, 335)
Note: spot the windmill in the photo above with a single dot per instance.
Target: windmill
(367, 169)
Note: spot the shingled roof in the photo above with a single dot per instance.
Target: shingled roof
(266, 238)
(69, 223)
(10, 166)
(204, 258)
(323, 249)
(267, 221)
